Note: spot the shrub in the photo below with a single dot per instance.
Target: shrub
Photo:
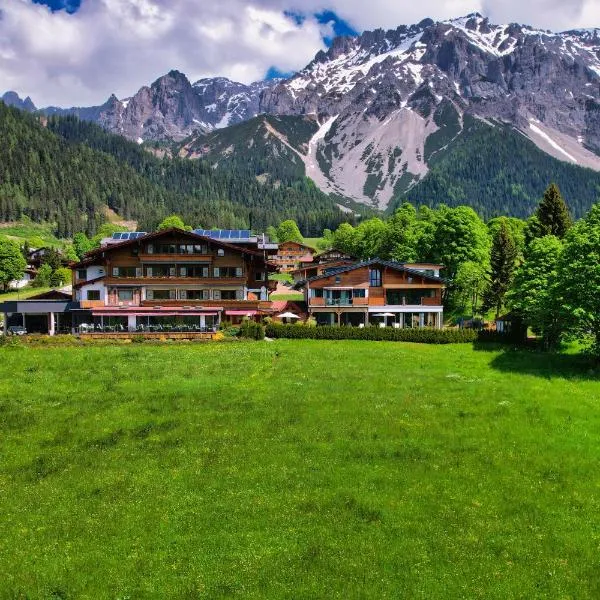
(252, 330)
(422, 336)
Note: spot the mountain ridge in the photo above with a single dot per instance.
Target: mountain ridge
(388, 102)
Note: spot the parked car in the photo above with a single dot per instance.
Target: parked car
(17, 330)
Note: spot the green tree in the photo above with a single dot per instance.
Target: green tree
(53, 258)
(552, 215)
(534, 293)
(345, 238)
(503, 261)
(272, 234)
(288, 232)
(470, 283)
(81, 244)
(403, 232)
(516, 227)
(174, 221)
(44, 274)
(460, 236)
(12, 263)
(370, 238)
(60, 277)
(579, 278)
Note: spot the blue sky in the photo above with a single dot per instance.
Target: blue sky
(70, 6)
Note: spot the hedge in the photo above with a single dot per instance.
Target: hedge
(387, 334)
(252, 330)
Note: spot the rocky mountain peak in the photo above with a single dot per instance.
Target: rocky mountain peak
(13, 99)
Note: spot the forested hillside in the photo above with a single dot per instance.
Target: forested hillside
(68, 171)
(496, 170)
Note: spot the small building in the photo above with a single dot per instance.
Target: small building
(377, 292)
(49, 313)
(291, 255)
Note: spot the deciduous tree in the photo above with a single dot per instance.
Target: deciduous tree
(12, 263)
(534, 295)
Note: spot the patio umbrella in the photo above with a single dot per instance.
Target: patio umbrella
(385, 316)
(288, 315)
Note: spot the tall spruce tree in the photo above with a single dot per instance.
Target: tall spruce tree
(503, 259)
(552, 215)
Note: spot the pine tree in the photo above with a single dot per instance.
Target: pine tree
(503, 260)
(552, 214)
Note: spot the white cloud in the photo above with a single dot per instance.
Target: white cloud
(119, 45)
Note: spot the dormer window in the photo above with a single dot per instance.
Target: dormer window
(220, 252)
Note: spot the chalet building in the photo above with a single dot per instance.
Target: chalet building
(236, 237)
(170, 278)
(322, 263)
(291, 255)
(377, 292)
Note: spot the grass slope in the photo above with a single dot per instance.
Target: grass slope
(297, 470)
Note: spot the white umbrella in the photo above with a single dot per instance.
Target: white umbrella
(385, 316)
(288, 315)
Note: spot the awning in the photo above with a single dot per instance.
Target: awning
(241, 313)
(187, 313)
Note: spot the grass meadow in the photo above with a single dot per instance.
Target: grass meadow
(298, 469)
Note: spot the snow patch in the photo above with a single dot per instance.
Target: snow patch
(536, 130)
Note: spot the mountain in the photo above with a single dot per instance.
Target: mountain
(13, 99)
(390, 115)
(387, 102)
(67, 172)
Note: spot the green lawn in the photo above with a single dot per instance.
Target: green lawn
(293, 297)
(39, 233)
(23, 293)
(298, 469)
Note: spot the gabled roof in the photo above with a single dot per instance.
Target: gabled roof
(375, 261)
(93, 255)
(81, 284)
(298, 244)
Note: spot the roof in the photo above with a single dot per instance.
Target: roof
(93, 255)
(81, 284)
(376, 261)
(298, 244)
(341, 262)
(52, 295)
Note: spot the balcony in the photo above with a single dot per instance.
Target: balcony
(335, 302)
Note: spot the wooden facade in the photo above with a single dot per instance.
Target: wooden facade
(186, 278)
(291, 255)
(379, 292)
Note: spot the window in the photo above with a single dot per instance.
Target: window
(93, 294)
(161, 294)
(375, 277)
(197, 294)
(228, 295)
(228, 271)
(359, 293)
(220, 252)
(260, 276)
(125, 295)
(318, 293)
(82, 274)
(126, 272)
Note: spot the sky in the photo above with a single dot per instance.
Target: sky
(78, 52)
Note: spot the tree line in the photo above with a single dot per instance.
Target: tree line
(67, 172)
